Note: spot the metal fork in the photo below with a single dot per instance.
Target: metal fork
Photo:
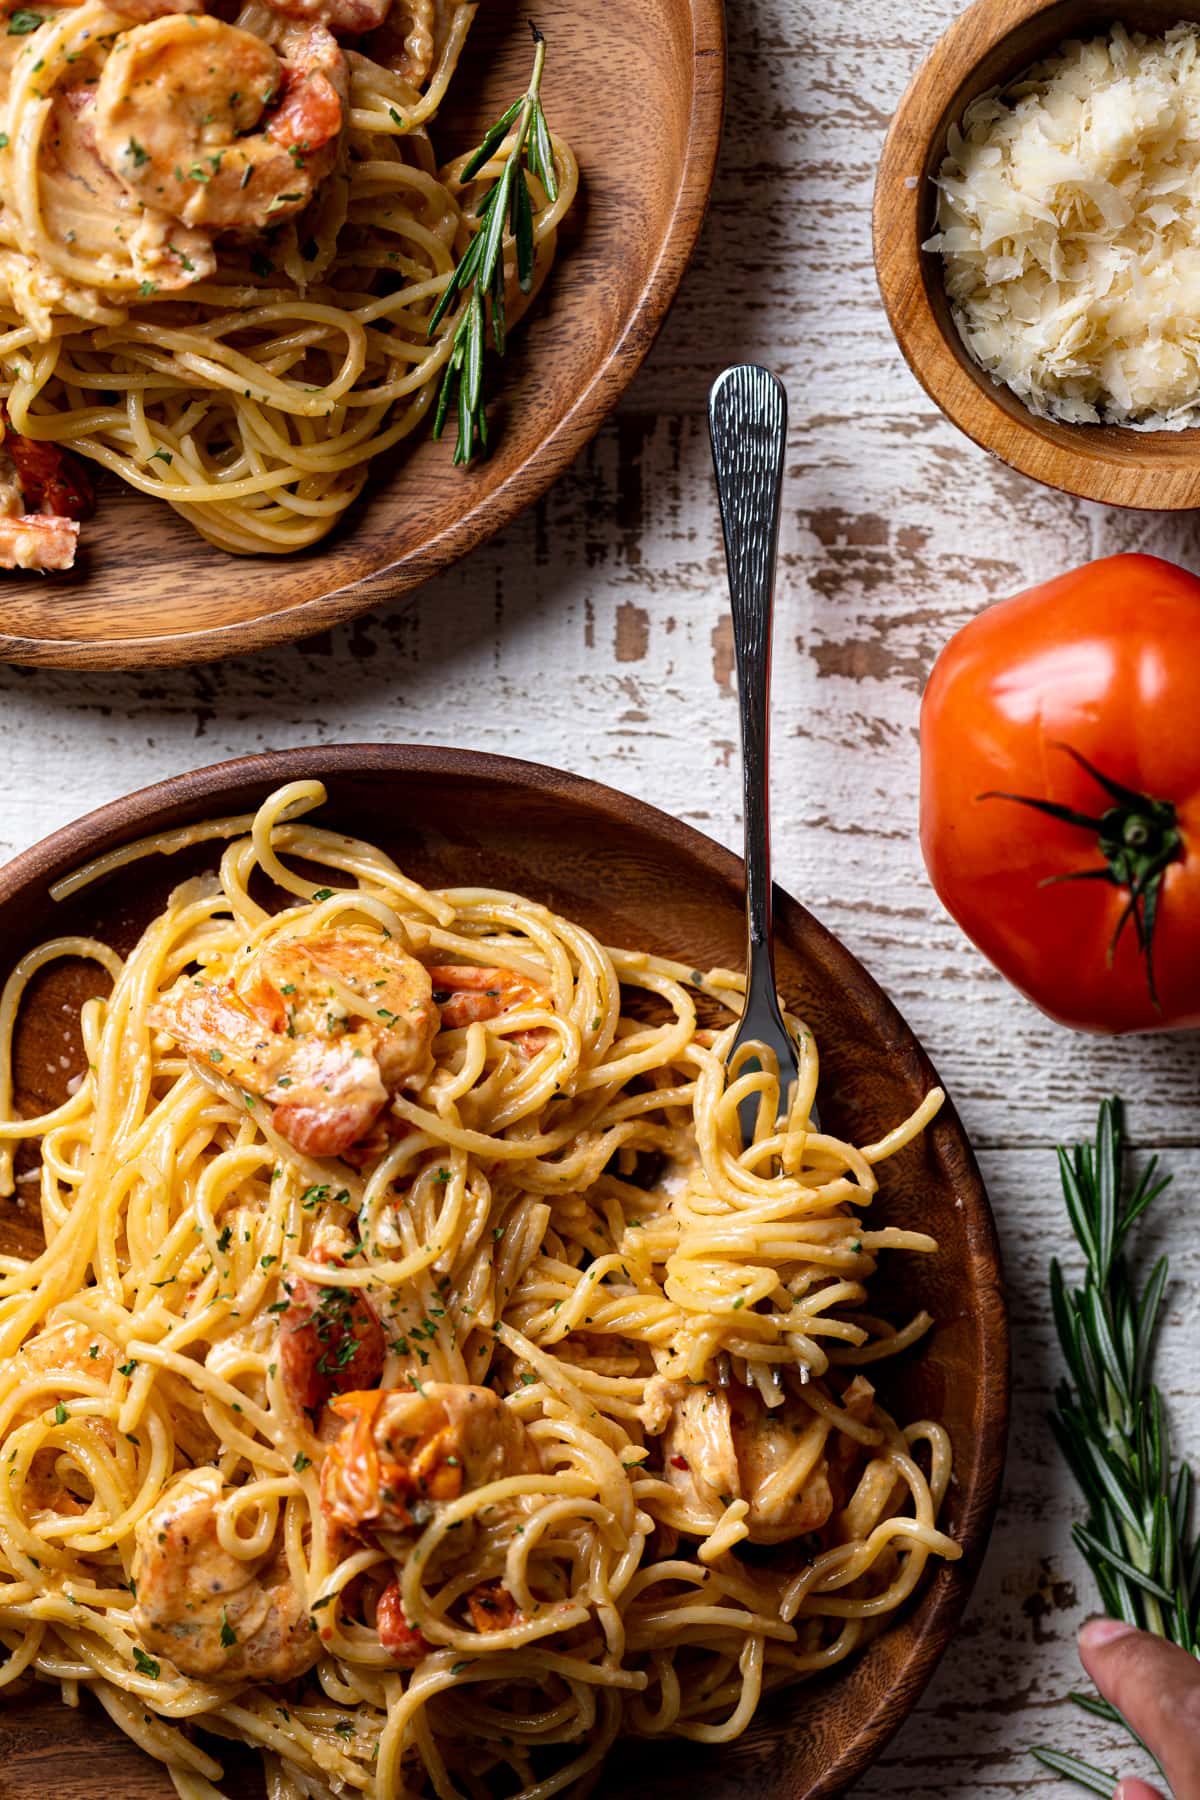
(747, 421)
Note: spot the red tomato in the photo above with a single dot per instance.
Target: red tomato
(1099, 668)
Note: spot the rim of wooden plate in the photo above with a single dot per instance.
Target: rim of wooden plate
(986, 46)
(526, 483)
(927, 1627)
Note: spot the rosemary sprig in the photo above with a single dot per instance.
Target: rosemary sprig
(480, 271)
(1110, 1421)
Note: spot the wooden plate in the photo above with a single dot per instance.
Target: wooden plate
(637, 878)
(988, 45)
(638, 88)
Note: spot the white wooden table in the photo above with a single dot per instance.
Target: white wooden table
(598, 618)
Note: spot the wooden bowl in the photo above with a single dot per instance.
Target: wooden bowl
(637, 86)
(987, 46)
(636, 877)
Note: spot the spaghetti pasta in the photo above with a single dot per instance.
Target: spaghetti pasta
(413, 1321)
(227, 307)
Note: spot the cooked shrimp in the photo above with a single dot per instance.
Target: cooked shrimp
(722, 1444)
(465, 993)
(397, 1636)
(492, 1607)
(327, 1028)
(179, 111)
(38, 541)
(330, 1342)
(85, 205)
(217, 1616)
(51, 479)
(44, 492)
(402, 1452)
(66, 1359)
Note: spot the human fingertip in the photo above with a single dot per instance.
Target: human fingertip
(1099, 1632)
(1133, 1789)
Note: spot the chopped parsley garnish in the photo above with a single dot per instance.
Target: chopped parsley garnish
(60, 1414)
(136, 154)
(145, 1665)
(127, 1368)
(302, 1462)
(23, 22)
(224, 1240)
(323, 894)
(228, 1634)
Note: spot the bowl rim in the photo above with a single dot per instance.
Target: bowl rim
(707, 72)
(1089, 466)
(944, 1598)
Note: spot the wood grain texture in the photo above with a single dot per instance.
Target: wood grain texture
(148, 591)
(594, 633)
(987, 46)
(637, 878)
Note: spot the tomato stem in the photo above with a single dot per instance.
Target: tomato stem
(1137, 836)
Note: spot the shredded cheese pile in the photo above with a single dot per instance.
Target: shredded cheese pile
(1069, 228)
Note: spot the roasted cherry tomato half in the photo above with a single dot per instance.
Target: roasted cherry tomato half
(1060, 792)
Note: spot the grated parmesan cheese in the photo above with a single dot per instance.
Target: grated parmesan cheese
(1069, 230)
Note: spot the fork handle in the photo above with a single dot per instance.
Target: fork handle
(747, 420)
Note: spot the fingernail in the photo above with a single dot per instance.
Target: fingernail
(1098, 1632)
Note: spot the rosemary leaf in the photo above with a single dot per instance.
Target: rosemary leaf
(1084, 1773)
(466, 427)
(522, 228)
(1100, 1709)
(541, 159)
(493, 230)
(472, 378)
(1110, 1421)
(522, 137)
(1093, 1547)
(493, 138)
(499, 313)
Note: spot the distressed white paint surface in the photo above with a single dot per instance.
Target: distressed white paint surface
(592, 637)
